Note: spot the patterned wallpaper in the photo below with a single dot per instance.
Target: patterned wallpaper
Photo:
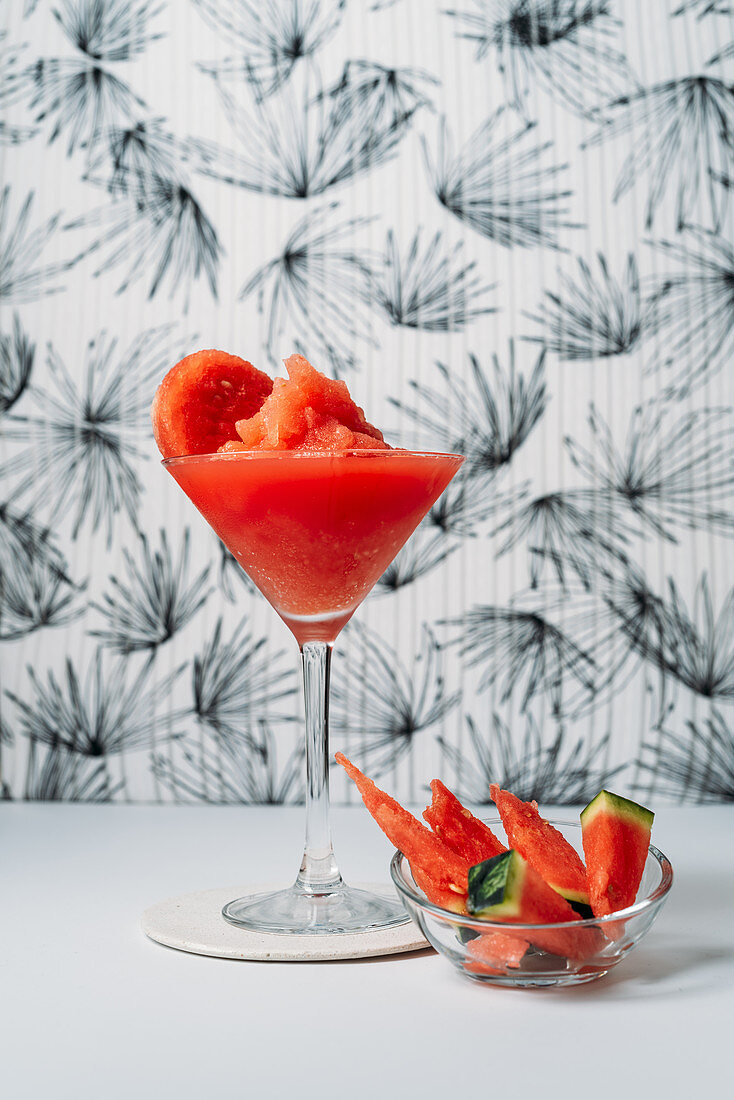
(507, 224)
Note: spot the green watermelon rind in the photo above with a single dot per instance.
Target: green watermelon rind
(621, 808)
(495, 886)
(575, 898)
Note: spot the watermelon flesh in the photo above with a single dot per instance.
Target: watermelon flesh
(493, 952)
(508, 888)
(542, 846)
(616, 839)
(198, 402)
(438, 871)
(458, 828)
(307, 412)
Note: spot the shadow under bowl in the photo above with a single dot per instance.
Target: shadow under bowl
(529, 956)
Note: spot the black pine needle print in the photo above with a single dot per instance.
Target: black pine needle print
(236, 682)
(683, 134)
(13, 85)
(693, 311)
(699, 767)
(314, 287)
(17, 354)
(612, 618)
(594, 317)
(721, 55)
(14, 135)
(570, 533)
(562, 45)
(133, 160)
(383, 703)
(497, 183)
(88, 431)
(395, 92)
(698, 649)
(430, 287)
(271, 35)
(23, 542)
(672, 472)
(79, 98)
(487, 419)
(234, 771)
(153, 601)
(57, 774)
(36, 594)
(705, 7)
(613, 575)
(470, 503)
(427, 548)
(299, 143)
(642, 616)
(165, 232)
(23, 277)
(524, 652)
(108, 30)
(106, 711)
(695, 650)
(559, 772)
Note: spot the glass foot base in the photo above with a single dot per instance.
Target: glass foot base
(294, 912)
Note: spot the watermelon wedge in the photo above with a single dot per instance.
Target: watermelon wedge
(439, 872)
(542, 846)
(197, 404)
(616, 838)
(508, 888)
(456, 826)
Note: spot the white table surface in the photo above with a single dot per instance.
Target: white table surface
(91, 1008)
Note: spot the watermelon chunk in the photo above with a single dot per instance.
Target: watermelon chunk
(541, 845)
(616, 839)
(508, 888)
(309, 412)
(197, 404)
(439, 872)
(493, 952)
(456, 826)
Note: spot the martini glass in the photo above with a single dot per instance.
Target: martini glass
(314, 531)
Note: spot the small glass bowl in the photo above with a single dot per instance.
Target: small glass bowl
(532, 955)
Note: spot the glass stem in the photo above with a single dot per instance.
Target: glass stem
(319, 873)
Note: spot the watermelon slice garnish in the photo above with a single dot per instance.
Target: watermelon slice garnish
(541, 845)
(438, 871)
(457, 827)
(199, 401)
(616, 838)
(508, 888)
(521, 889)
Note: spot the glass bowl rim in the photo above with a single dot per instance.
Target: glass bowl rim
(646, 903)
(366, 452)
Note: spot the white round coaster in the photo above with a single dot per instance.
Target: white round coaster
(194, 923)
